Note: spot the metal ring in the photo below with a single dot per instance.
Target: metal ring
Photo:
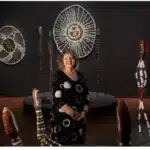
(61, 104)
(51, 116)
(61, 86)
(66, 122)
(79, 88)
(57, 129)
(74, 136)
(51, 130)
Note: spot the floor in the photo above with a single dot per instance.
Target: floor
(102, 129)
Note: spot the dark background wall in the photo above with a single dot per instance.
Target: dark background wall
(121, 24)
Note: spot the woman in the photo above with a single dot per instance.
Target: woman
(68, 114)
(71, 99)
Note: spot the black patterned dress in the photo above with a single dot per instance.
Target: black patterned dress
(64, 129)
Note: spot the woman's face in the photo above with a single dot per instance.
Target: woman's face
(68, 61)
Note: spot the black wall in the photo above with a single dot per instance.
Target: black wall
(121, 24)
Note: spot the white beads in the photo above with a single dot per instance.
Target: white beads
(67, 85)
(60, 110)
(58, 94)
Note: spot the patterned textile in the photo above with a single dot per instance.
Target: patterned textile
(42, 136)
(140, 112)
(141, 75)
(17, 141)
(141, 78)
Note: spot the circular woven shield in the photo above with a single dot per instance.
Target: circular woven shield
(12, 45)
(75, 30)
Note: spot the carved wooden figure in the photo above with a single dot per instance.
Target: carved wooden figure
(124, 123)
(141, 79)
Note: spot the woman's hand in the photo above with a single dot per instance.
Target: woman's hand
(86, 109)
(83, 113)
(76, 115)
(69, 111)
(82, 116)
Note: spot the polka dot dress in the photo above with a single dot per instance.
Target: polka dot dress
(74, 93)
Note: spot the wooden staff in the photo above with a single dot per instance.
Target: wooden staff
(40, 47)
(50, 60)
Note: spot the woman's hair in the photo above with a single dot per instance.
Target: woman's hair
(61, 56)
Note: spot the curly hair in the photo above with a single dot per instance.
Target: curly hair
(60, 59)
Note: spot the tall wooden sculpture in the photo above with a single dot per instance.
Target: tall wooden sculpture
(141, 79)
(124, 123)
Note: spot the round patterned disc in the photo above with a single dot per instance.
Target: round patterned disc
(12, 45)
(75, 30)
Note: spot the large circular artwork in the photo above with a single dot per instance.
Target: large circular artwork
(12, 45)
(75, 29)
